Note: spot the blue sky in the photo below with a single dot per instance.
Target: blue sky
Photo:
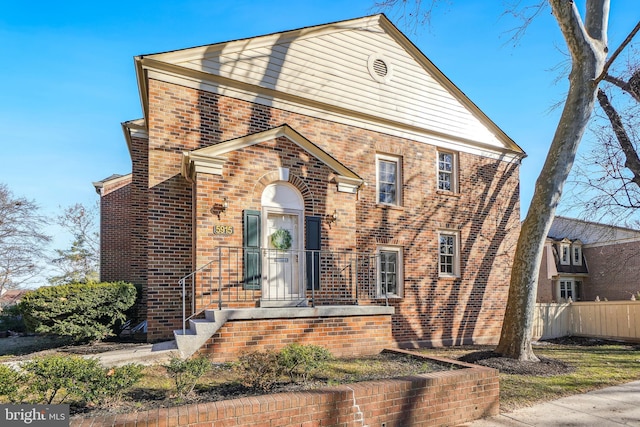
(68, 79)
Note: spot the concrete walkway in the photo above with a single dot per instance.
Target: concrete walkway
(612, 406)
(147, 354)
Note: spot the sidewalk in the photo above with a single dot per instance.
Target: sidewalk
(147, 354)
(612, 406)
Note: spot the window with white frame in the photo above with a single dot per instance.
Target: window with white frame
(390, 271)
(569, 288)
(448, 254)
(564, 253)
(577, 254)
(388, 182)
(447, 171)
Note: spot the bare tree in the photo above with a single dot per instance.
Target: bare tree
(586, 42)
(22, 242)
(80, 262)
(607, 180)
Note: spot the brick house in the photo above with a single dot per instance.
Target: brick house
(585, 260)
(327, 184)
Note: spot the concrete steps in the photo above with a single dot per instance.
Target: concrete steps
(199, 332)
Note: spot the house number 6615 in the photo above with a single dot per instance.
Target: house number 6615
(223, 229)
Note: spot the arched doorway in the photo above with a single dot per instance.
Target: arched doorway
(283, 244)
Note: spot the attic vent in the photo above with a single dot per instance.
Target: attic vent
(380, 68)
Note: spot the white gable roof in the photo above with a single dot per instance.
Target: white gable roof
(326, 71)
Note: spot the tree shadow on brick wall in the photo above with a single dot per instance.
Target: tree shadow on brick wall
(489, 224)
(498, 249)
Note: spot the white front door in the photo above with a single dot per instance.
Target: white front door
(283, 272)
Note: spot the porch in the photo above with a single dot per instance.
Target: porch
(337, 296)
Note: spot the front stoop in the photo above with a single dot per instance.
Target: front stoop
(201, 330)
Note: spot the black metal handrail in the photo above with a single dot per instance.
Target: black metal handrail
(239, 277)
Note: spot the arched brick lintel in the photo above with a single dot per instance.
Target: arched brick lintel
(274, 176)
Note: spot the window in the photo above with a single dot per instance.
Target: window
(388, 183)
(446, 171)
(569, 288)
(577, 255)
(564, 254)
(448, 254)
(390, 271)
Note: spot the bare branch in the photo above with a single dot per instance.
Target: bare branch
(617, 52)
(628, 87)
(632, 161)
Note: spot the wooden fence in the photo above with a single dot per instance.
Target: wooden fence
(602, 319)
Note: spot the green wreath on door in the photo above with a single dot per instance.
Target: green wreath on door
(281, 239)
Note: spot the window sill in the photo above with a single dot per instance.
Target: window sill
(452, 277)
(386, 206)
(448, 193)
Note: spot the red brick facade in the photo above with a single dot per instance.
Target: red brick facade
(343, 336)
(434, 310)
(115, 229)
(173, 211)
(613, 271)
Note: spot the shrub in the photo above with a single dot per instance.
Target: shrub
(51, 375)
(11, 384)
(299, 361)
(80, 379)
(186, 373)
(260, 370)
(82, 311)
(109, 385)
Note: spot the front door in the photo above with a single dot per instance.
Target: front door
(283, 274)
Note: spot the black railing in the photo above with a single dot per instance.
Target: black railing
(250, 277)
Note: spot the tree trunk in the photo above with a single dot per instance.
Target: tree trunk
(587, 45)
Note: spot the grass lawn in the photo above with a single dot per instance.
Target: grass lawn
(597, 364)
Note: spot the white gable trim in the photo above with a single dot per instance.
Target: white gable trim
(211, 159)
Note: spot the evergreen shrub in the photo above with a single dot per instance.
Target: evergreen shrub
(83, 311)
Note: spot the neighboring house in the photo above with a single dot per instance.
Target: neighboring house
(585, 260)
(11, 297)
(327, 184)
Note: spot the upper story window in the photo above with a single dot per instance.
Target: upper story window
(447, 171)
(448, 254)
(577, 254)
(390, 271)
(565, 253)
(388, 183)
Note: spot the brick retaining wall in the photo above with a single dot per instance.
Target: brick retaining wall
(442, 398)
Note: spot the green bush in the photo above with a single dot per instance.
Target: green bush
(83, 311)
(11, 384)
(299, 361)
(186, 373)
(260, 370)
(109, 385)
(58, 379)
(50, 376)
